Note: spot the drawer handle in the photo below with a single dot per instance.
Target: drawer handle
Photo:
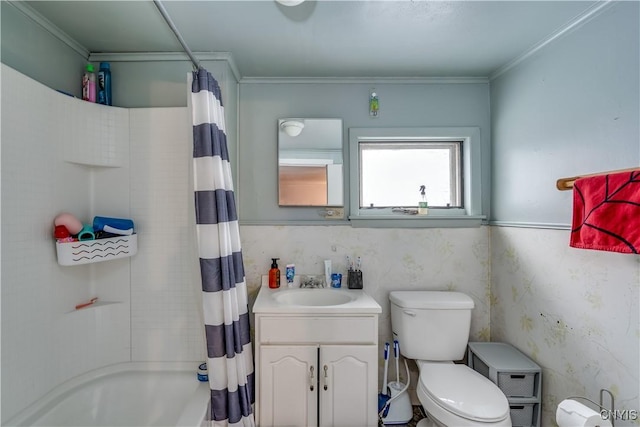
(325, 377)
(517, 377)
(311, 378)
(516, 407)
(409, 313)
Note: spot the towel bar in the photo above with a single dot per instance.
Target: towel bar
(563, 184)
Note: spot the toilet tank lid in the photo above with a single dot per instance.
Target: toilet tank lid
(443, 300)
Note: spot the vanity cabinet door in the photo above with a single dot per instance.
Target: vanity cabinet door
(288, 385)
(348, 385)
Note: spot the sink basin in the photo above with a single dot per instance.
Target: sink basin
(313, 297)
(305, 301)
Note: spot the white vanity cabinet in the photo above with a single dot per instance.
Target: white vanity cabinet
(348, 385)
(316, 366)
(326, 385)
(288, 387)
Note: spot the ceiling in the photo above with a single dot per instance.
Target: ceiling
(343, 39)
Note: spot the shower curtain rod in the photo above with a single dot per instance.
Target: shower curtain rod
(171, 25)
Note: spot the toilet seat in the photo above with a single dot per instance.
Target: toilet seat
(462, 391)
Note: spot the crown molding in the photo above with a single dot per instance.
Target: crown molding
(581, 19)
(367, 80)
(50, 27)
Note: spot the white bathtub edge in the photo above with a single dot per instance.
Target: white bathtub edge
(198, 407)
(58, 393)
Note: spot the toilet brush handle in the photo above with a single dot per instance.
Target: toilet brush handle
(386, 368)
(396, 353)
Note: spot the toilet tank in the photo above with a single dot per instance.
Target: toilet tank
(431, 325)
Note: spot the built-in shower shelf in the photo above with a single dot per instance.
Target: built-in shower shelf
(91, 251)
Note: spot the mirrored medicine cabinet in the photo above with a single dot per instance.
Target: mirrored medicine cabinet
(310, 162)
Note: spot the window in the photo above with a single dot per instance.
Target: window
(392, 174)
(389, 165)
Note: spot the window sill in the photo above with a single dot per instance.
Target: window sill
(416, 221)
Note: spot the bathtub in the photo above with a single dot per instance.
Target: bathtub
(127, 394)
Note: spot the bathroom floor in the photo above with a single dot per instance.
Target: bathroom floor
(418, 414)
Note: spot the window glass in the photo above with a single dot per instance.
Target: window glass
(392, 174)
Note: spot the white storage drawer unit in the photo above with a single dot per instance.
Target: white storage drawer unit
(519, 378)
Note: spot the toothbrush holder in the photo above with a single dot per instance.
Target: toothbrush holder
(354, 279)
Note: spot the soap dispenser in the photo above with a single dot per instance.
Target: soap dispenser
(274, 274)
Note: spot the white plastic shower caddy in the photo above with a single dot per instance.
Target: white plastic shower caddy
(90, 251)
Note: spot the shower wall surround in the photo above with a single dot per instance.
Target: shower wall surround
(45, 341)
(148, 307)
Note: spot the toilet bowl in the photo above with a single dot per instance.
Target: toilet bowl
(454, 395)
(433, 329)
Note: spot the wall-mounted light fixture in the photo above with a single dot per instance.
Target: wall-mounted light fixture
(292, 127)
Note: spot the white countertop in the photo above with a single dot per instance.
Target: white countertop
(361, 302)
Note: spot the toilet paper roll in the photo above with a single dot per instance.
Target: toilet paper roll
(574, 414)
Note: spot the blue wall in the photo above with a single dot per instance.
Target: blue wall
(34, 52)
(569, 109)
(402, 104)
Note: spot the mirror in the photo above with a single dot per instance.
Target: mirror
(310, 162)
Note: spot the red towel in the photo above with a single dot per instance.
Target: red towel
(606, 213)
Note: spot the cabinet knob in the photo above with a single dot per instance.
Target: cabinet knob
(311, 378)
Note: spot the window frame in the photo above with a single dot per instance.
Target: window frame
(468, 216)
(454, 149)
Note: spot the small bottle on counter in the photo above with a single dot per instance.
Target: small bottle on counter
(327, 273)
(203, 374)
(274, 274)
(290, 273)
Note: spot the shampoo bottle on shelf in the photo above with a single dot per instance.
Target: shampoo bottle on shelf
(104, 84)
(274, 274)
(89, 84)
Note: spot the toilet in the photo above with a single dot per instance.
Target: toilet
(432, 328)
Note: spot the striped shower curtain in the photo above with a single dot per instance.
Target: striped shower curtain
(226, 309)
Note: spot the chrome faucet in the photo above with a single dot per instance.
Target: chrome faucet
(313, 282)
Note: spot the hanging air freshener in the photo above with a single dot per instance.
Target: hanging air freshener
(374, 104)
